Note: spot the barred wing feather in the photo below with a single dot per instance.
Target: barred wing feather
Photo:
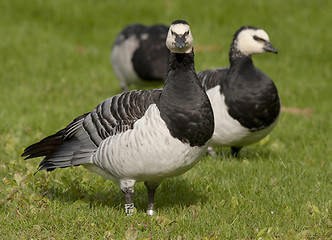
(75, 144)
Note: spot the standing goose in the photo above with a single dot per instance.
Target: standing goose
(139, 55)
(141, 135)
(244, 99)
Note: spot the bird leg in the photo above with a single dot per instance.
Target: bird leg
(210, 151)
(129, 206)
(151, 189)
(235, 151)
(127, 187)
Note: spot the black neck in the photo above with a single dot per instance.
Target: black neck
(181, 76)
(178, 61)
(241, 71)
(250, 95)
(184, 105)
(238, 57)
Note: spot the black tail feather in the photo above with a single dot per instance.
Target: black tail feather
(58, 149)
(48, 145)
(45, 146)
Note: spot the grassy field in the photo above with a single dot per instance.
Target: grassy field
(54, 58)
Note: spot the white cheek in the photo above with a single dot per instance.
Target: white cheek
(169, 41)
(190, 41)
(249, 46)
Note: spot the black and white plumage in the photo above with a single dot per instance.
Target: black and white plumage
(244, 99)
(141, 135)
(139, 55)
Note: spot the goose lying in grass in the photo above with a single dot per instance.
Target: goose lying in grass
(139, 55)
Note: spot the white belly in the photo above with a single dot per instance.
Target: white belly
(122, 61)
(146, 152)
(228, 131)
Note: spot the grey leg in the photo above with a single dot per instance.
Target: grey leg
(210, 151)
(235, 151)
(127, 187)
(129, 206)
(151, 189)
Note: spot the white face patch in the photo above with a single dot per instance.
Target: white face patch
(248, 45)
(179, 29)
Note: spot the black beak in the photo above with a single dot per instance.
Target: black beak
(180, 41)
(269, 48)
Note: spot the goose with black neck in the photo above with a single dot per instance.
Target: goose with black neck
(244, 99)
(142, 135)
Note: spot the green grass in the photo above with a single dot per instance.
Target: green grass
(54, 58)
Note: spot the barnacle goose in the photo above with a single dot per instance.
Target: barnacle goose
(244, 99)
(139, 55)
(141, 135)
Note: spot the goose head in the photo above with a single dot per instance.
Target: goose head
(251, 40)
(179, 38)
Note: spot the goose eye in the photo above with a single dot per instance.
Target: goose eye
(174, 33)
(259, 39)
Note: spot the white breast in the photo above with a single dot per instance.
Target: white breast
(122, 60)
(228, 131)
(146, 152)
